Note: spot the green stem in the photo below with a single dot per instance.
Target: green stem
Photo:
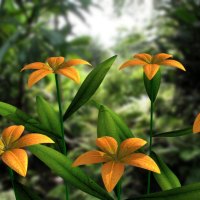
(119, 189)
(150, 145)
(12, 180)
(64, 150)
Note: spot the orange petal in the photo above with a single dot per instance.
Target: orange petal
(70, 72)
(111, 173)
(143, 161)
(151, 70)
(74, 62)
(107, 144)
(91, 157)
(160, 57)
(196, 125)
(54, 62)
(144, 57)
(32, 139)
(173, 63)
(11, 134)
(37, 75)
(17, 160)
(130, 145)
(132, 63)
(35, 65)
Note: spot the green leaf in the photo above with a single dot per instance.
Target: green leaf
(152, 86)
(89, 86)
(110, 124)
(176, 133)
(18, 117)
(188, 192)
(167, 179)
(24, 193)
(48, 117)
(62, 166)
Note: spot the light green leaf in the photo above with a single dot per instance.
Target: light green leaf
(152, 86)
(167, 179)
(74, 176)
(188, 192)
(89, 86)
(48, 117)
(175, 133)
(110, 124)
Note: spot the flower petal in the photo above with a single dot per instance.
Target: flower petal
(196, 125)
(91, 157)
(35, 65)
(74, 62)
(70, 72)
(160, 57)
(107, 144)
(54, 62)
(11, 134)
(111, 173)
(37, 75)
(32, 139)
(17, 160)
(151, 70)
(130, 145)
(143, 161)
(144, 57)
(132, 63)
(173, 63)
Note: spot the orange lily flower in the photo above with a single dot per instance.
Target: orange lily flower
(196, 125)
(11, 145)
(56, 65)
(115, 158)
(151, 64)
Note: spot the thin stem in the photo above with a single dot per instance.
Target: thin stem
(150, 144)
(64, 150)
(119, 189)
(12, 180)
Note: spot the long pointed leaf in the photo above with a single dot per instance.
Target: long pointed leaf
(175, 133)
(188, 192)
(167, 179)
(109, 123)
(62, 166)
(89, 86)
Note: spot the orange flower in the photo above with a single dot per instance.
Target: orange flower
(151, 64)
(11, 144)
(116, 157)
(196, 125)
(55, 65)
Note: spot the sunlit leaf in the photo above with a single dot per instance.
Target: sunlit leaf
(89, 86)
(74, 176)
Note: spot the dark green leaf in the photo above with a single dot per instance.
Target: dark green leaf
(62, 166)
(188, 192)
(48, 117)
(110, 124)
(89, 86)
(18, 117)
(24, 193)
(167, 179)
(176, 133)
(152, 86)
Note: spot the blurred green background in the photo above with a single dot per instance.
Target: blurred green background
(95, 30)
